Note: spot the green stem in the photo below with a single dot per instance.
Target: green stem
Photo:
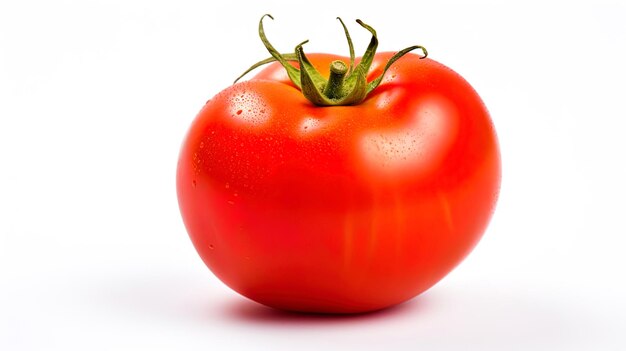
(338, 70)
(345, 85)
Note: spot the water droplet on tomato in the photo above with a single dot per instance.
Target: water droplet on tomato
(227, 186)
(202, 144)
(230, 202)
(211, 246)
(194, 183)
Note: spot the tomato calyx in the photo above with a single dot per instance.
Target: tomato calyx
(346, 85)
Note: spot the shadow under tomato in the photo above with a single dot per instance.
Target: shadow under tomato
(249, 311)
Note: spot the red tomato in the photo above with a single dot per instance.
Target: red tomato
(339, 209)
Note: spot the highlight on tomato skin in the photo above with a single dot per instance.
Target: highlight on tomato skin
(307, 206)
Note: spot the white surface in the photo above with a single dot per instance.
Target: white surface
(95, 98)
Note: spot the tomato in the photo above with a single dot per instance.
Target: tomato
(339, 209)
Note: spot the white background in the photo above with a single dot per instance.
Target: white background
(95, 99)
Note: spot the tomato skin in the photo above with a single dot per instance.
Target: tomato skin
(339, 209)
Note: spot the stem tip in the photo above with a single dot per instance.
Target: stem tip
(338, 67)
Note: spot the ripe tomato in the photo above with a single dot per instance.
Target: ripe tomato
(339, 209)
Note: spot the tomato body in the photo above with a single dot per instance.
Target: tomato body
(339, 209)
